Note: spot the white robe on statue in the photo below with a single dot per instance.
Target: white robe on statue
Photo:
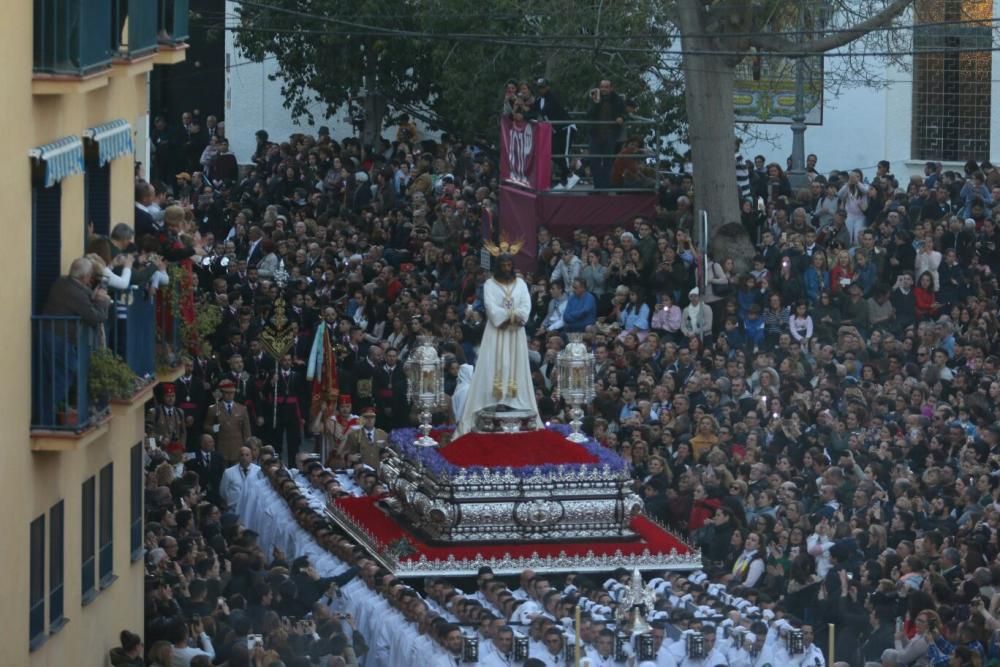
(503, 371)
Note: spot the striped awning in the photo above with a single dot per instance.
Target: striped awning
(113, 139)
(63, 158)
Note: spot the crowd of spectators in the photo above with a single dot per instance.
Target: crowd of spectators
(822, 425)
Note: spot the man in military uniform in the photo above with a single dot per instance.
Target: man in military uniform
(367, 440)
(246, 390)
(338, 427)
(166, 421)
(229, 422)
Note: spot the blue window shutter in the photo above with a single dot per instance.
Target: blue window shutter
(46, 242)
(98, 186)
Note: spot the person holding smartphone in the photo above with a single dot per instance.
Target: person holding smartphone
(181, 634)
(927, 644)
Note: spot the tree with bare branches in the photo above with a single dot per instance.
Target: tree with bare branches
(715, 38)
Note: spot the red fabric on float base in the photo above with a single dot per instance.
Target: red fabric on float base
(525, 449)
(364, 513)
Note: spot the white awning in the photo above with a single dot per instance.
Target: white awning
(113, 139)
(63, 158)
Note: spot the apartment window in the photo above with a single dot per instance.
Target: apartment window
(137, 474)
(952, 79)
(36, 609)
(97, 184)
(56, 567)
(46, 239)
(88, 541)
(107, 528)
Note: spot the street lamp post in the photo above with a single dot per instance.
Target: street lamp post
(797, 174)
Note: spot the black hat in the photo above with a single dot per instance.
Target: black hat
(542, 82)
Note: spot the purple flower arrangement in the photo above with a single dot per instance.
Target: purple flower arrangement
(430, 458)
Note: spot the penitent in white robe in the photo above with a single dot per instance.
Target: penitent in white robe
(503, 371)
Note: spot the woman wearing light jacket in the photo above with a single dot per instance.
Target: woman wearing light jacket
(720, 284)
(696, 320)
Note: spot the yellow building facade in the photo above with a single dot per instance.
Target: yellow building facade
(73, 116)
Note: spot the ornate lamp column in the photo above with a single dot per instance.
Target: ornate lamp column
(425, 384)
(575, 365)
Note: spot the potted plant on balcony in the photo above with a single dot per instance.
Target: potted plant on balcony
(109, 377)
(66, 415)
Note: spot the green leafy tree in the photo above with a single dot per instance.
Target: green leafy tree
(323, 57)
(558, 39)
(446, 61)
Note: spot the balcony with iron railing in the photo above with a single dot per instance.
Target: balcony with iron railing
(60, 365)
(599, 149)
(170, 345)
(80, 372)
(77, 41)
(131, 329)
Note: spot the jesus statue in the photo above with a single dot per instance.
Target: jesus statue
(502, 375)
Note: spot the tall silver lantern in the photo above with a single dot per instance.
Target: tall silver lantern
(425, 380)
(576, 381)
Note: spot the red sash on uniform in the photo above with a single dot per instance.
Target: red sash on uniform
(348, 423)
(291, 400)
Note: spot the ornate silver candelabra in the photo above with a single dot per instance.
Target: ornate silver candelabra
(425, 385)
(575, 365)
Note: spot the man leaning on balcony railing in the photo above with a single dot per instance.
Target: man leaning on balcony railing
(71, 296)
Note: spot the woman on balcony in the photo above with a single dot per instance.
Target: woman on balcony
(108, 278)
